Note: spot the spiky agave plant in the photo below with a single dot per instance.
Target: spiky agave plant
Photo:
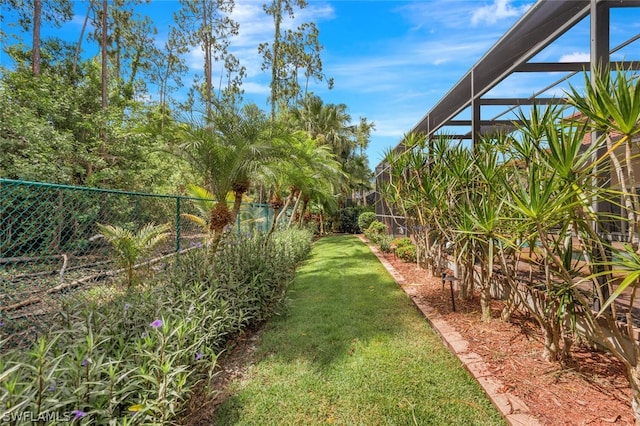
(130, 246)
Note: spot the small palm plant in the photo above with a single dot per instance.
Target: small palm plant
(204, 202)
(131, 246)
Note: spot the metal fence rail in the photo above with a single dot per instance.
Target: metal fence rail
(50, 246)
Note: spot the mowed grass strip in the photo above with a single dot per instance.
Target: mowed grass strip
(353, 350)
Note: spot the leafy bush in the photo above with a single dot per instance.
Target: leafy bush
(407, 252)
(347, 220)
(365, 219)
(138, 358)
(385, 243)
(401, 242)
(375, 231)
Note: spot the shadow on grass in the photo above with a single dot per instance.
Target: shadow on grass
(342, 295)
(352, 350)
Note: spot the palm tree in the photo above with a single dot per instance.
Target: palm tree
(131, 246)
(330, 124)
(303, 171)
(227, 151)
(204, 202)
(612, 107)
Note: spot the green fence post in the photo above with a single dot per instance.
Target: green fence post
(269, 219)
(177, 227)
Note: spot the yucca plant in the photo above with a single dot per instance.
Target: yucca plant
(130, 247)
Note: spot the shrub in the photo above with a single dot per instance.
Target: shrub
(385, 243)
(407, 252)
(401, 242)
(131, 247)
(365, 219)
(375, 231)
(347, 220)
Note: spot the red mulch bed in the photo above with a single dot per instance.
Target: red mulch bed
(592, 390)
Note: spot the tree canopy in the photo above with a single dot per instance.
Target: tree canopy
(132, 116)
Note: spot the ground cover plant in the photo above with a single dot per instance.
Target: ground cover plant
(352, 349)
(139, 358)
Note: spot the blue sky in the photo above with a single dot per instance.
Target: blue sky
(392, 61)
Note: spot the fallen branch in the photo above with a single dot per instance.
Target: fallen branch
(53, 272)
(76, 283)
(64, 266)
(24, 259)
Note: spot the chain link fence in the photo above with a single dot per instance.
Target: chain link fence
(51, 249)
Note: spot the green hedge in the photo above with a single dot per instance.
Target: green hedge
(365, 219)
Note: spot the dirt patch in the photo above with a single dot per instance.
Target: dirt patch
(591, 390)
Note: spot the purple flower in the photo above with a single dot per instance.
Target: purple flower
(1, 323)
(84, 362)
(52, 388)
(77, 414)
(157, 323)
(127, 306)
(144, 334)
(198, 356)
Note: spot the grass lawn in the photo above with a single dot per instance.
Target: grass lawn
(353, 350)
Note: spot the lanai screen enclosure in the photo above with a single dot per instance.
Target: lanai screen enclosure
(469, 111)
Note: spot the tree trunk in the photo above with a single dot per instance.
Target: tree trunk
(485, 292)
(103, 78)
(237, 202)
(466, 283)
(305, 203)
(284, 208)
(485, 301)
(103, 53)
(295, 208)
(35, 53)
(633, 195)
(510, 286)
(82, 30)
(551, 335)
(208, 63)
(273, 223)
(275, 61)
(511, 303)
(634, 380)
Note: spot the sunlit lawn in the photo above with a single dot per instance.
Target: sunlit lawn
(353, 350)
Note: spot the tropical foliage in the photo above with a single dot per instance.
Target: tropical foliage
(114, 120)
(517, 214)
(130, 247)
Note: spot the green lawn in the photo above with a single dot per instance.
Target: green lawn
(353, 350)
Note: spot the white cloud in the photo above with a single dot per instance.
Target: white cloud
(575, 57)
(195, 59)
(252, 88)
(500, 9)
